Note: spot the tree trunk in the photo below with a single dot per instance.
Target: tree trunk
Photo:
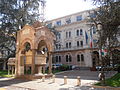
(4, 65)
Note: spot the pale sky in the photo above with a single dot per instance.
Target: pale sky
(58, 8)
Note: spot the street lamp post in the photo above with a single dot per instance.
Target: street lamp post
(102, 76)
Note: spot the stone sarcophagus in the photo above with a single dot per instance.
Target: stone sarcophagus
(28, 57)
(40, 59)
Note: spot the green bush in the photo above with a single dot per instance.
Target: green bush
(4, 73)
(113, 81)
(64, 67)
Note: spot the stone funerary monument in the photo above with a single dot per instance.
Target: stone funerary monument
(34, 49)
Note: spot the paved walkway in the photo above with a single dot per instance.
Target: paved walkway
(87, 79)
(84, 74)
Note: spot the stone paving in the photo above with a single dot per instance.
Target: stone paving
(87, 79)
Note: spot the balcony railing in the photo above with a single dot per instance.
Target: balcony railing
(72, 48)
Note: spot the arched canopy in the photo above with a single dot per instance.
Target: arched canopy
(34, 39)
(26, 42)
(43, 41)
(34, 35)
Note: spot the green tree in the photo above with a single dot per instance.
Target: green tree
(14, 14)
(108, 16)
(107, 21)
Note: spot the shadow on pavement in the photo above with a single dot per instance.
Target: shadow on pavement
(88, 88)
(78, 88)
(10, 81)
(86, 74)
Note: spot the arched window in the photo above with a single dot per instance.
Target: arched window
(66, 58)
(27, 46)
(78, 58)
(82, 57)
(56, 58)
(70, 58)
(56, 46)
(59, 58)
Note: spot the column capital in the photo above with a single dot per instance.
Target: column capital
(34, 49)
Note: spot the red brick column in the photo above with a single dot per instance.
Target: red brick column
(50, 63)
(33, 61)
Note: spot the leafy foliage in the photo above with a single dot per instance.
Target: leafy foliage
(113, 81)
(14, 14)
(108, 16)
(4, 73)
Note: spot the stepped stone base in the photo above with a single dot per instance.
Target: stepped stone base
(32, 77)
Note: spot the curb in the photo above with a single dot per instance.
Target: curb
(106, 87)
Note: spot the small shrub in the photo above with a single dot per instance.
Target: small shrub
(114, 81)
(64, 67)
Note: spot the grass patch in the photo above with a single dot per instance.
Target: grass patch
(114, 81)
(56, 71)
(4, 73)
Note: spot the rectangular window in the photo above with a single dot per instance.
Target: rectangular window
(59, 36)
(66, 45)
(79, 18)
(78, 44)
(69, 34)
(49, 25)
(59, 58)
(95, 40)
(92, 15)
(68, 21)
(81, 32)
(69, 44)
(94, 30)
(77, 32)
(81, 43)
(59, 46)
(56, 46)
(58, 23)
(66, 34)
(78, 58)
(56, 58)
